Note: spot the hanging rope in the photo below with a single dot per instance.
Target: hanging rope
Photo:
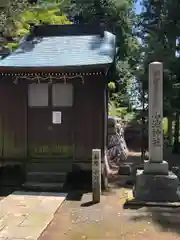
(49, 78)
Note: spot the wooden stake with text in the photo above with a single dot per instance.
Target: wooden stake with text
(96, 175)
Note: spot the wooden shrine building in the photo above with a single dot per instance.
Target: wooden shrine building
(53, 102)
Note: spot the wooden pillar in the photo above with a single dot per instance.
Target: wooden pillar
(96, 175)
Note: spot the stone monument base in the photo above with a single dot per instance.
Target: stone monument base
(156, 188)
(158, 168)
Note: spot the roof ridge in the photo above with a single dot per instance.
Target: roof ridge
(46, 30)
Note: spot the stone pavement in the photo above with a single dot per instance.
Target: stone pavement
(25, 215)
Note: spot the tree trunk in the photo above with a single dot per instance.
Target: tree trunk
(176, 135)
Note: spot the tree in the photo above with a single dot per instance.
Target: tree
(8, 13)
(119, 18)
(35, 15)
(159, 28)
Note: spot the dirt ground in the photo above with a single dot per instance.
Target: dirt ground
(79, 219)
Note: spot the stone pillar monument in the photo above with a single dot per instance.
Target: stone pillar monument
(155, 182)
(155, 118)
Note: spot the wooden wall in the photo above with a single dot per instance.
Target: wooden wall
(87, 118)
(13, 115)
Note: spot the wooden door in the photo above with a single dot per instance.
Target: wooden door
(50, 121)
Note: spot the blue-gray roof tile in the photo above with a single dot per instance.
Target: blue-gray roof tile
(63, 51)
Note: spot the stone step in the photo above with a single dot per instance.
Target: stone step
(125, 169)
(50, 166)
(48, 177)
(36, 186)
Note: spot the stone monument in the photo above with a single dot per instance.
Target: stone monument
(156, 183)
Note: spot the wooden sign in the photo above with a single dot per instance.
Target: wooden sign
(96, 175)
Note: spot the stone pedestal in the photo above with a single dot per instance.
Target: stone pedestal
(156, 188)
(156, 168)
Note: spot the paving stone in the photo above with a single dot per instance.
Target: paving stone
(12, 220)
(16, 239)
(21, 232)
(19, 238)
(26, 216)
(50, 205)
(2, 214)
(37, 219)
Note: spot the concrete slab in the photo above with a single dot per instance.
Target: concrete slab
(25, 215)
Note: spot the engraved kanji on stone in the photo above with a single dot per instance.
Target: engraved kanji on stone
(156, 120)
(96, 163)
(156, 130)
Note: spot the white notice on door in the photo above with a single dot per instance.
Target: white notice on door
(56, 117)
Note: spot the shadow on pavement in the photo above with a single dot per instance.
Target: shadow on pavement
(88, 204)
(5, 191)
(168, 219)
(131, 207)
(74, 196)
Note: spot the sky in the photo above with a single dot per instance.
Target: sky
(138, 6)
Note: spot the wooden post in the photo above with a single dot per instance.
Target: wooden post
(96, 175)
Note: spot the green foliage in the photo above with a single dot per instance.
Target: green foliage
(159, 27)
(16, 16)
(119, 18)
(37, 15)
(8, 15)
(116, 111)
(12, 46)
(111, 86)
(165, 126)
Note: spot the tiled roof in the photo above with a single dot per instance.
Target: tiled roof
(63, 51)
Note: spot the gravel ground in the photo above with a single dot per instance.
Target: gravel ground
(80, 219)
